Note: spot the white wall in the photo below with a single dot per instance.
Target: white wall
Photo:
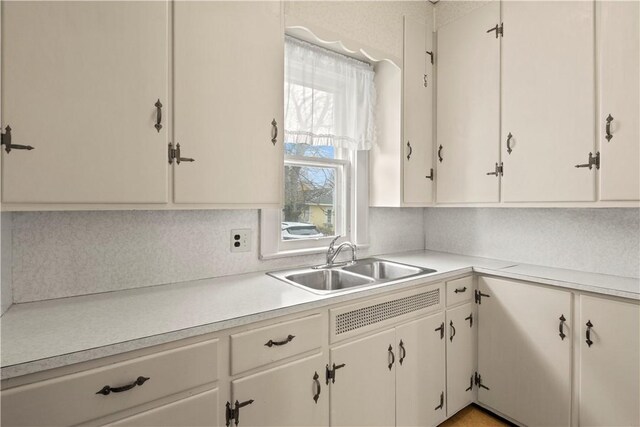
(447, 11)
(61, 254)
(376, 24)
(596, 240)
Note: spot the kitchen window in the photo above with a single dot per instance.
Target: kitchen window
(329, 104)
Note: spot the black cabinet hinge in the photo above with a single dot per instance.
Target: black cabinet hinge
(174, 154)
(5, 139)
(499, 29)
(593, 161)
(499, 170)
(331, 373)
(431, 54)
(233, 413)
(478, 381)
(478, 296)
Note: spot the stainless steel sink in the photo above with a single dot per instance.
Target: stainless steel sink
(385, 270)
(328, 279)
(341, 277)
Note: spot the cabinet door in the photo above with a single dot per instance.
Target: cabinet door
(284, 396)
(548, 100)
(461, 357)
(522, 359)
(420, 373)
(79, 84)
(229, 88)
(610, 366)
(619, 68)
(198, 410)
(468, 108)
(364, 390)
(417, 111)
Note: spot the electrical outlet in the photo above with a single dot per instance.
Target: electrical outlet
(241, 240)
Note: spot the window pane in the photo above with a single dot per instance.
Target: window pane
(306, 150)
(309, 202)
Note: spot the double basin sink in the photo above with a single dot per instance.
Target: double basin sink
(361, 273)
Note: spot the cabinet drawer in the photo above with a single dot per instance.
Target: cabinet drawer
(259, 347)
(459, 290)
(72, 399)
(198, 410)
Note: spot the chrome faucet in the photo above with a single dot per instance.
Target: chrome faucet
(332, 252)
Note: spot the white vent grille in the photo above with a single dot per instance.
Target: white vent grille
(361, 317)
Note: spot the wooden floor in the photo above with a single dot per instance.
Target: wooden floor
(474, 416)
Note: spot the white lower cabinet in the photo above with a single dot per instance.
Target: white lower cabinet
(524, 362)
(420, 373)
(461, 357)
(364, 389)
(294, 394)
(609, 362)
(198, 410)
(395, 377)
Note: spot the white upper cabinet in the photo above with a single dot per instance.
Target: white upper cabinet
(228, 102)
(468, 108)
(618, 35)
(417, 91)
(80, 81)
(548, 101)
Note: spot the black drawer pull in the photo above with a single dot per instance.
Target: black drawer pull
(403, 352)
(561, 327)
(588, 334)
(453, 331)
(106, 390)
(462, 289)
(271, 343)
(393, 357)
(319, 387)
(158, 124)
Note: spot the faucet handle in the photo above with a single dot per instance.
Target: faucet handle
(333, 242)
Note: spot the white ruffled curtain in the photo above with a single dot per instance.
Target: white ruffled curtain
(329, 99)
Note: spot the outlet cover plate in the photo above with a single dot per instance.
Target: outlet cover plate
(241, 240)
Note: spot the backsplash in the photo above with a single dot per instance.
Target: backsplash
(595, 240)
(62, 254)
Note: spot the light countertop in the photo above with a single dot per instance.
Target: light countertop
(49, 334)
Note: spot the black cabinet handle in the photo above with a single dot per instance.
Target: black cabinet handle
(458, 290)
(158, 124)
(440, 153)
(319, 387)
(453, 331)
(393, 357)
(509, 149)
(608, 128)
(410, 150)
(441, 329)
(588, 333)
(271, 343)
(470, 384)
(106, 390)
(441, 405)
(470, 319)
(274, 131)
(403, 352)
(561, 327)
